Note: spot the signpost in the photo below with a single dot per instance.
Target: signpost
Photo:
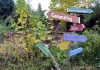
(62, 16)
(43, 49)
(74, 38)
(48, 54)
(79, 10)
(78, 27)
(75, 51)
(64, 46)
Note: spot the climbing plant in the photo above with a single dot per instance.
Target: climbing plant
(26, 22)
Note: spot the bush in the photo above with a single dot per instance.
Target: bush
(6, 7)
(91, 53)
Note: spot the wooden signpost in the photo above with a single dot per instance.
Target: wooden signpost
(62, 16)
(56, 16)
(64, 46)
(78, 27)
(75, 51)
(74, 38)
(46, 51)
(80, 10)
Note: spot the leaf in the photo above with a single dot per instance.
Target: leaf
(37, 41)
(51, 27)
(19, 20)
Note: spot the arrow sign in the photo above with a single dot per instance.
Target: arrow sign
(62, 16)
(79, 10)
(78, 27)
(43, 49)
(48, 54)
(70, 37)
(75, 52)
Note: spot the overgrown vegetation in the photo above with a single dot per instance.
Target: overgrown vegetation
(90, 55)
(25, 28)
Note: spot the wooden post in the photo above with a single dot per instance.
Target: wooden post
(56, 28)
(54, 62)
(71, 47)
(48, 54)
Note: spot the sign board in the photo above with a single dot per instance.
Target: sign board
(79, 10)
(48, 54)
(64, 46)
(43, 49)
(62, 16)
(75, 38)
(75, 51)
(78, 27)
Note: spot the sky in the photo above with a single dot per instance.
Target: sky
(44, 4)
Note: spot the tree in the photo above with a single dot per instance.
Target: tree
(27, 22)
(41, 15)
(86, 3)
(6, 8)
(40, 11)
(39, 7)
(62, 5)
(93, 20)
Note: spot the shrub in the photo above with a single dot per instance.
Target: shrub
(6, 7)
(91, 53)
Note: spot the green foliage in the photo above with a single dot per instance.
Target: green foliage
(93, 20)
(21, 66)
(87, 3)
(40, 14)
(24, 12)
(90, 55)
(96, 29)
(21, 53)
(62, 5)
(31, 25)
(39, 7)
(3, 30)
(59, 56)
(6, 7)
(21, 49)
(28, 22)
(41, 30)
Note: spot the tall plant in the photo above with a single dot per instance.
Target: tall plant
(27, 22)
